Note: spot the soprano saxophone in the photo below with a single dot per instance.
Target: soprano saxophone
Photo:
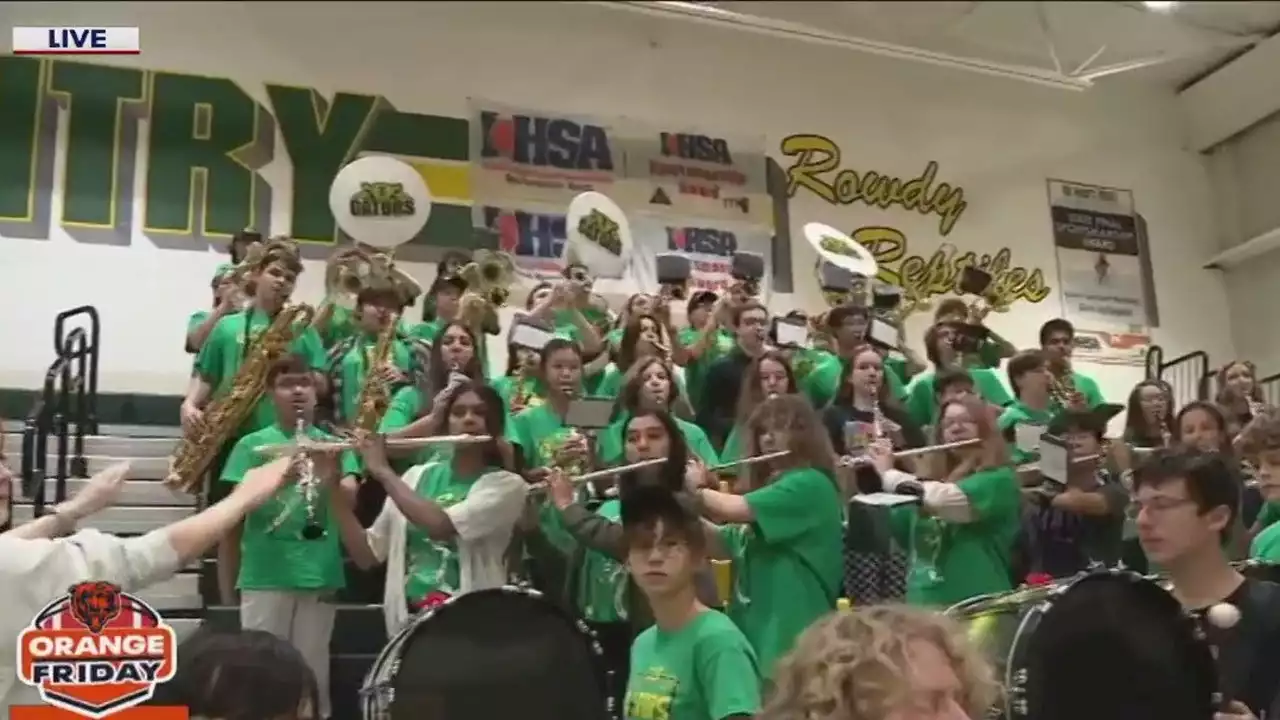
(375, 393)
(198, 447)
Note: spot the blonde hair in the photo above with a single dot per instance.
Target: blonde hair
(856, 665)
(810, 443)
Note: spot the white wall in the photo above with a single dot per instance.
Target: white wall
(999, 140)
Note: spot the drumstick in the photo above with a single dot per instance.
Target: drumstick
(293, 448)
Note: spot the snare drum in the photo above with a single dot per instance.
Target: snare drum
(506, 652)
(1100, 645)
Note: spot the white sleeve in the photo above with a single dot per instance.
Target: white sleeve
(494, 504)
(947, 501)
(378, 535)
(42, 570)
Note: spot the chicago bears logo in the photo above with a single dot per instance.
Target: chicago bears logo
(94, 604)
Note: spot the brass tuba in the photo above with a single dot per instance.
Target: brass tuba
(197, 449)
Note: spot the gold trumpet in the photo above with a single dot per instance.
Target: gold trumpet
(488, 277)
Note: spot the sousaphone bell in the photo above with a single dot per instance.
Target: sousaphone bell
(598, 242)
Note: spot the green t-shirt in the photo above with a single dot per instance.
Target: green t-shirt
(609, 384)
(896, 365)
(819, 374)
(613, 340)
(612, 441)
(427, 331)
(1268, 515)
(695, 371)
(923, 406)
(788, 563)
(274, 555)
(951, 562)
(196, 318)
(1019, 414)
(540, 432)
(224, 352)
(353, 367)
(706, 670)
(430, 565)
(1266, 545)
(602, 581)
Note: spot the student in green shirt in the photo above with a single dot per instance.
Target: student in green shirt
(1262, 442)
(768, 375)
(847, 326)
(1030, 379)
(521, 387)
(939, 343)
(635, 306)
(694, 663)
(785, 535)
(705, 340)
(961, 537)
(376, 307)
(453, 359)
(541, 432)
(991, 349)
(650, 386)
(1057, 341)
(440, 308)
(227, 299)
(290, 550)
(232, 341)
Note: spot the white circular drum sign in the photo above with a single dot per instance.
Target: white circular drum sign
(380, 201)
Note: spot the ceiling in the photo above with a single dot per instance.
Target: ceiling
(1071, 42)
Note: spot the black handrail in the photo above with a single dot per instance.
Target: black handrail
(66, 408)
(1196, 364)
(1270, 387)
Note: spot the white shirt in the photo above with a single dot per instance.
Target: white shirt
(484, 521)
(34, 573)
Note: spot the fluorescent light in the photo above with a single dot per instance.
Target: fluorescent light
(1160, 6)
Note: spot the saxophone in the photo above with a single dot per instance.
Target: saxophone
(375, 394)
(1064, 384)
(520, 398)
(197, 449)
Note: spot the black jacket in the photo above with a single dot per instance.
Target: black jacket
(720, 392)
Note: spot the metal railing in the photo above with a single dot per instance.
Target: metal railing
(66, 409)
(1189, 375)
(1270, 387)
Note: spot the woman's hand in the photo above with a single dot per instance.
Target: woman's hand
(100, 493)
(696, 476)
(373, 450)
(560, 489)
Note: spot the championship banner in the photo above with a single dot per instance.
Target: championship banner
(1095, 233)
(670, 172)
(541, 157)
(709, 246)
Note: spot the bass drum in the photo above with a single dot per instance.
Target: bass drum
(506, 652)
(1104, 644)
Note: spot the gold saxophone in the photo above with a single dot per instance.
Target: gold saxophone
(375, 394)
(197, 449)
(1064, 384)
(520, 399)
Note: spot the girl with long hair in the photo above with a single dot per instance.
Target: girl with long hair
(454, 358)
(865, 401)
(1239, 395)
(446, 524)
(1205, 427)
(784, 534)
(651, 385)
(541, 432)
(962, 536)
(642, 337)
(597, 584)
(1149, 422)
(521, 386)
(769, 375)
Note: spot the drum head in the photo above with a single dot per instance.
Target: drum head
(500, 653)
(1116, 645)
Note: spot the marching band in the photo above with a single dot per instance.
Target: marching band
(639, 477)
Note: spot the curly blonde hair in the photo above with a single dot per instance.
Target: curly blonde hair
(854, 665)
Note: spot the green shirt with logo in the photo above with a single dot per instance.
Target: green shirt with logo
(612, 441)
(705, 670)
(354, 365)
(951, 562)
(274, 554)
(788, 562)
(603, 581)
(923, 405)
(431, 565)
(231, 341)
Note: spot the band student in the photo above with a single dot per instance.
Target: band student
(1238, 395)
(274, 277)
(694, 663)
(541, 431)
(1057, 342)
(445, 526)
(865, 399)
(455, 355)
(287, 579)
(940, 347)
(961, 539)
(992, 348)
(376, 308)
(596, 581)
(784, 535)
(705, 340)
(1030, 380)
(650, 387)
(882, 663)
(1187, 504)
(227, 299)
(1262, 443)
(724, 377)
(768, 375)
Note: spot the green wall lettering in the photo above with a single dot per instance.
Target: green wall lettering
(321, 137)
(20, 101)
(210, 129)
(95, 99)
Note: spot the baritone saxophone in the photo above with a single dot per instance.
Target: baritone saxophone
(197, 449)
(375, 393)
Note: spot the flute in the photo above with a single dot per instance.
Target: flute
(749, 461)
(1035, 466)
(847, 460)
(607, 472)
(292, 448)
